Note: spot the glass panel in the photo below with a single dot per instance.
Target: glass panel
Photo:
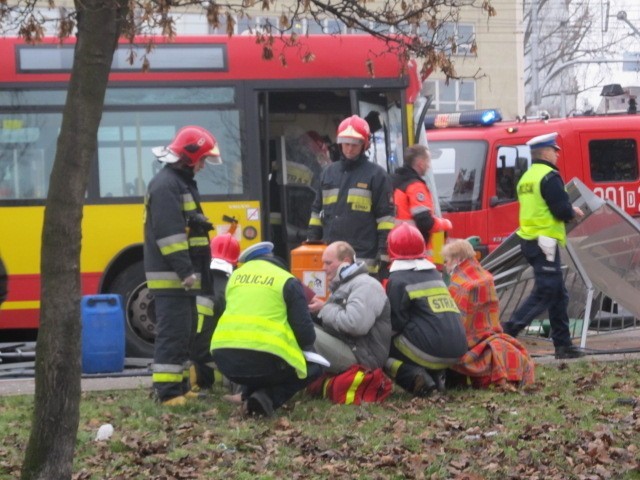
(165, 96)
(27, 98)
(512, 162)
(163, 57)
(466, 91)
(334, 27)
(244, 25)
(125, 96)
(458, 169)
(465, 38)
(315, 27)
(613, 160)
(126, 164)
(447, 92)
(27, 151)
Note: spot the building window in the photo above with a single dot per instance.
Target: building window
(463, 35)
(613, 160)
(457, 96)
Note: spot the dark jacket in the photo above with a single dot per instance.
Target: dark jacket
(423, 311)
(176, 245)
(354, 205)
(553, 192)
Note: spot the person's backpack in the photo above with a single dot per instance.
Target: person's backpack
(356, 385)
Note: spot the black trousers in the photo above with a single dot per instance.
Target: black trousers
(549, 293)
(175, 316)
(277, 378)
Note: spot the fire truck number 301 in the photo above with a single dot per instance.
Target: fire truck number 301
(626, 199)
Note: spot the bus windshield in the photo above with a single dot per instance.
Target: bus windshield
(458, 170)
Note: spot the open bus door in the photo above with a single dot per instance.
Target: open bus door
(297, 134)
(383, 112)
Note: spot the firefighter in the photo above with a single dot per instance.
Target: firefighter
(412, 197)
(225, 250)
(429, 335)
(259, 341)
(354, 203)
(177, 255)
(544, 209)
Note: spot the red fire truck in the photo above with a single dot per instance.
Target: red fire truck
(478, 160)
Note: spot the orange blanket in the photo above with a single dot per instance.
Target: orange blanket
(493, 357)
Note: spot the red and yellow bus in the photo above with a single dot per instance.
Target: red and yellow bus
(262, 113)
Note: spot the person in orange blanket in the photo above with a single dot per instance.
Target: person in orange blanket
(494, 358)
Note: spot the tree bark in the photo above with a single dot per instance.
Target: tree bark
(56, 413)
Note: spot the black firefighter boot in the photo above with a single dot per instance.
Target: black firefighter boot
(440, 378)
(412, 378)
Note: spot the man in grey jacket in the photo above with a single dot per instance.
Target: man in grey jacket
(354, 325)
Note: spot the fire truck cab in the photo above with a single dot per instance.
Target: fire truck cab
(477, 160)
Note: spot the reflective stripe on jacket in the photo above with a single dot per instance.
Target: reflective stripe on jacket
(172, 250)
(535, 217)
(354, 205)
(423, 311)
(255, 317)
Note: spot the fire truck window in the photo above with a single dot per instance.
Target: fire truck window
(512, 162)
(613, 160)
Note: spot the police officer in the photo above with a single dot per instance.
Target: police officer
(411, 196)
(259, 341)
(354, 204)
(176, 255)
(544, 210)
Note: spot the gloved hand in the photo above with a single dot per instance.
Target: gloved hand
(199, 223)
(383, 267)
(441, 225)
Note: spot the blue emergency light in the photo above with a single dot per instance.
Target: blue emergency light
(470, 118)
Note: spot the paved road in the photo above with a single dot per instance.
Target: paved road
(26, 386)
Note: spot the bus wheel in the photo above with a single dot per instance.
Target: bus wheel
(139, 307)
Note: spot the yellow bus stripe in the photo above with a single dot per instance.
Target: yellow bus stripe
(24, 305)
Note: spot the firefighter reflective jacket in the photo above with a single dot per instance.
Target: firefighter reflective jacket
(174, 246)
(354, 205)
(255, 317)
(424, 314)
(535, 216)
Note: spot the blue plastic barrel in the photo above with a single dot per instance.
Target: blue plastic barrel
(102, 334)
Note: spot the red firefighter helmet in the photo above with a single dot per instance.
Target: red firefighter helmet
(405, 242)
(191, 143)
(354, 130)
(225, 247)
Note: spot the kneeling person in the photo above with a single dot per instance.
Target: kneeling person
(429, 335)
(260, 338)
(355, 326)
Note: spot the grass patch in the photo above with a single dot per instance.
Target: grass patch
(580, 420)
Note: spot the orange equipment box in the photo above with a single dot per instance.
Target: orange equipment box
(306, 265)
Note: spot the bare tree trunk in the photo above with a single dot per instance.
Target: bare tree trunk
(56, 415)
